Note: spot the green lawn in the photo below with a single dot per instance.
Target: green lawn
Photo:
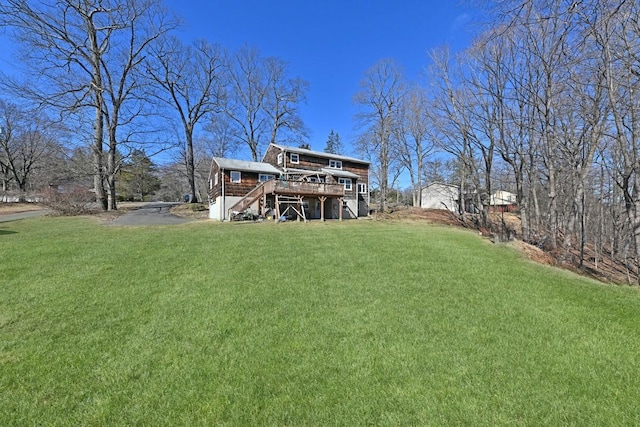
(352, 323)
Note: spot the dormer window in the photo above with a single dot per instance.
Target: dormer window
(295, 158)
(335, 164)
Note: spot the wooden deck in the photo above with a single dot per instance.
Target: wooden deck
(298, 188)
(291, 194)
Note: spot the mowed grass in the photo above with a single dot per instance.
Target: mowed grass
(352, 323)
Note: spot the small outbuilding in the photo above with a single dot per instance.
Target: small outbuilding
(503, 201)
(438, 195)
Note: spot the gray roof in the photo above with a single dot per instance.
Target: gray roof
(440, 184)
(303, 171)
(243, 165)
(340, 173)
(320, 154)
(323, 171)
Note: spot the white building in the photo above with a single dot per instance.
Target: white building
(438, 195)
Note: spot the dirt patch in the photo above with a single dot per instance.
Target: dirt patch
(534, 253)
(508, 221)
(435, 216)
(194, 211)
(12, 208)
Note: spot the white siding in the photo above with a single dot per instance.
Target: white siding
(440, 196)
(218, 209)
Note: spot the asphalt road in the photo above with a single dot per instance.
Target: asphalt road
(150, 214)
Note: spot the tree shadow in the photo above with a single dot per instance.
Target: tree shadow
(3, 232)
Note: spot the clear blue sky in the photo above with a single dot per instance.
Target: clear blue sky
(330, 43)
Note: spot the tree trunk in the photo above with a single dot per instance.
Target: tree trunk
(96, 150)
(112, 171)
(191, 168)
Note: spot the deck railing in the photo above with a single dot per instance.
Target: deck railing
(303, 188)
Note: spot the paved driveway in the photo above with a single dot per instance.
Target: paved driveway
(150, 214)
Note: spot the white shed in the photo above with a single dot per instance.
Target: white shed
(438, 195)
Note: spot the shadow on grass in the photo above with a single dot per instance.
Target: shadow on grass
(3, 232)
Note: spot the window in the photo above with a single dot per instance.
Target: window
(263, 177)
(362, 188)
(295, 158)
(346, 182)
(280, 158)
(315, 179)
(235, 176)
(335, 164)
(215, 179)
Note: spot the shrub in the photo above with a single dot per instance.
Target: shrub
(76, 201)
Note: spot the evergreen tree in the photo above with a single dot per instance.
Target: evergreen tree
(138, 177)
(334, 144)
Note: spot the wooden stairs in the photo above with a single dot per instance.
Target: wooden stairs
(249, 199)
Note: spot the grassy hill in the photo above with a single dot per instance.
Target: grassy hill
(350, 323)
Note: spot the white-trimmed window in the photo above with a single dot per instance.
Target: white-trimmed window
(280, 158)
(236, 176)
(362, 188)
(264, 177)
(295, 158)
(346, 182)
(335, 164)
(215, 179)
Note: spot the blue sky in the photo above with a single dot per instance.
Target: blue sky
(330, 43)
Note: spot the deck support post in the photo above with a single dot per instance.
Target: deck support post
(264, 204)
(322, 200)
(340, 203)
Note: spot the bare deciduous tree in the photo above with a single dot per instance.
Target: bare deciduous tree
(411, 139)
(450, 121)
(381, 93)
(82, 56)
(262, 101)
(191, 77)
(140, 22)
(616, 29)
(26, 144)
(62, 46)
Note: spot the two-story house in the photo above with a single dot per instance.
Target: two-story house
(292, 182)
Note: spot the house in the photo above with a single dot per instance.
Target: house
(291, 182)
(503, 201)
(438, 195)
